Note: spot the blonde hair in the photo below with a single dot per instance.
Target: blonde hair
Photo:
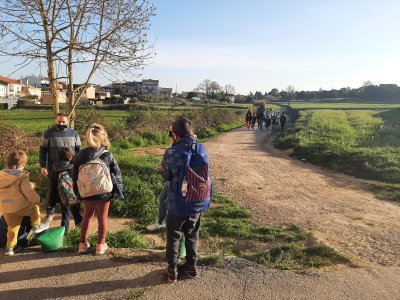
(96, 136)
(17, 159)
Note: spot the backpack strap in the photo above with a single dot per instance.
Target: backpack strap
(192, 149)
(101, 153)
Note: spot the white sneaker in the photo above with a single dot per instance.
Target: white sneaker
(155, 226)
(48, 219)
(101, 249)
(83, 248)
(40, 228)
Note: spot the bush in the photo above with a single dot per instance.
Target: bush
(86, 117)
(25, 103)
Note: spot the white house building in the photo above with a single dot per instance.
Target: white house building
(3, 90)
(14, 87)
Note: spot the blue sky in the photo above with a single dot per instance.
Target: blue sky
(259, 45)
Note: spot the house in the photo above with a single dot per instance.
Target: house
(149, 87)
(13, 86)
(47, 97)
(88, 94)
(101, 93)
(11, 102)
(130, 88)
(167, 92)
(35, 81)
(231, 97)
(32, 91)
(3, 90)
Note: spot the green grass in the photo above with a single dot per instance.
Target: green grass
(363, 143)
(292, 256)
(306, 105)
(229, 229)
(126, 238)
(37, 121)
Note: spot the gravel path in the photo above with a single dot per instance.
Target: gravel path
(336, 208)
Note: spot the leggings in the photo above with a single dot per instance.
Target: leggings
(101, 207)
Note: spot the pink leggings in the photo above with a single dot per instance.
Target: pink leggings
(101, 207)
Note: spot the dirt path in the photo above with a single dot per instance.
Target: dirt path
(336, 208)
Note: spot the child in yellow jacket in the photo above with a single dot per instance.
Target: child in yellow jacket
(18, 198)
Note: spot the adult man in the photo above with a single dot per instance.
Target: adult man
(52, 140)
(185, 165)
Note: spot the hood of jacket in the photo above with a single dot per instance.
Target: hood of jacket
(86, 155)
(9, 176)
(62, 166)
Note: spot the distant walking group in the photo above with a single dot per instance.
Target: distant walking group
(271, 118)
(92, 176)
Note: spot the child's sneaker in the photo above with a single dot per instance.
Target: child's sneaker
(48, 219)
(172, 275)
(83, 248)
(101, 249)
(12, 251)
(40, 228)
(154, 227)
(190, 271)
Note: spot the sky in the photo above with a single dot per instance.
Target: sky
(257, 45)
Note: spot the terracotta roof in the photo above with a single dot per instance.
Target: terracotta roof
(9, 80)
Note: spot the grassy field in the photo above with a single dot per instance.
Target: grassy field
(304, 105)
(357, 139)
(36, 121)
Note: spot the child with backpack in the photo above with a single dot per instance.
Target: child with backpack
(18, 198)
(62, 188)
(185, 164)
(93, 171)
(163, 206)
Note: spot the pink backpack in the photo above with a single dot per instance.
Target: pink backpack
(94, 178)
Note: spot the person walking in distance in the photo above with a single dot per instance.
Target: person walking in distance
(249, 119)
(52, 140)
(283, 120)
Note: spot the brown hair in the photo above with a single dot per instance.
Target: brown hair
(182, 127)
(96, 136)
(17, 159)
(61, 114)
(65, 154)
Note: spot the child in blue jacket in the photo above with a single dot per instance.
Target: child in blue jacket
(185, 165)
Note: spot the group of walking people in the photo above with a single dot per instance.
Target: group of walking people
(92, 176)
(270, 117)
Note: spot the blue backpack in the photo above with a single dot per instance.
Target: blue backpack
(194, 182)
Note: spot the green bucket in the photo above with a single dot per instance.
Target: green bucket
(52, 239)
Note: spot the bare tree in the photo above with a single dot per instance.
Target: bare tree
(291, 93)
(105, 36)
(204, 87)
(229, 89)
(215, 87)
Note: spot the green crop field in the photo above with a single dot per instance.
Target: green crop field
(357, 139)
(36, 121)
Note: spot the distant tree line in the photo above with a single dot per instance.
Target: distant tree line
(368, 92)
